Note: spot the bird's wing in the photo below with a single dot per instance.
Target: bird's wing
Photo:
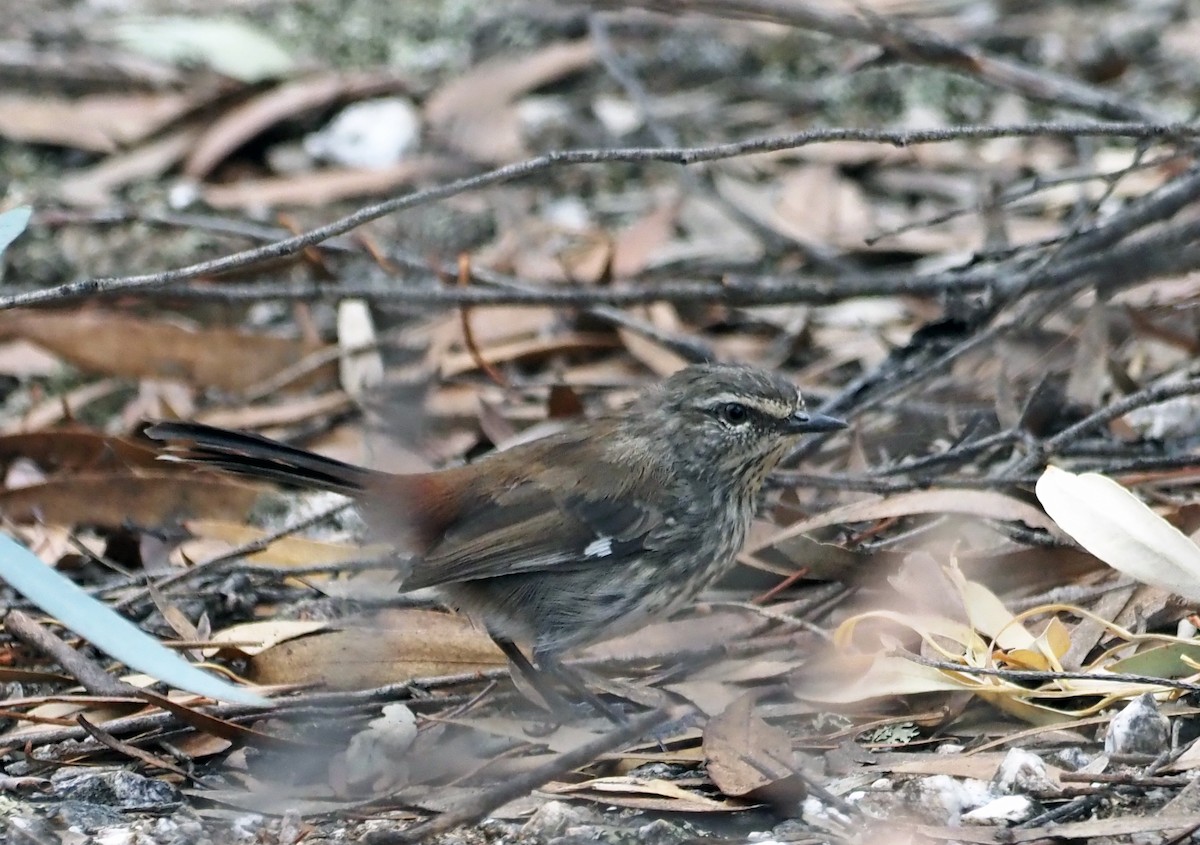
(531, 529)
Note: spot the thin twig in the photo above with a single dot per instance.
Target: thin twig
(93, 678)
(1152, 395)
(524, 169)
(216, 563)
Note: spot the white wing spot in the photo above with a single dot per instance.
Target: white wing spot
(600, 547)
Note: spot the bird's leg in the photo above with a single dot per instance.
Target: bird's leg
(550, 665)
(559, 706)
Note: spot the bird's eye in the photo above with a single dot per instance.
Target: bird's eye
(734, 413)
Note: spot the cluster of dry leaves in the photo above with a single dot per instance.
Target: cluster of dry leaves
(901, 585)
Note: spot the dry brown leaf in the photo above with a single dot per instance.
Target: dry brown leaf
(94, 186)
(629, 252)
(981, 766)
(64, 712)
(746, 756)
(224, 729)
(136, 347)
(283, 102)
(116, 499)
(457, 363)
(322, 187)
(1028, 571)
(33, 676)
(50, 543)
(98, 123)
(76, 450)
(55, 409)
(156, 400)
(562, 738)
(1089, 378)
(660, 640)
(199, 745)
(293, 411)
(396, 646)
(284, 552)
(474, 113)
(249, 638)
(23, 359)
(635, 245)
(981, 503)
(495, 325)
(810, 204)
(564, 403)
(658, 358)
(494, 425)
(647, 794)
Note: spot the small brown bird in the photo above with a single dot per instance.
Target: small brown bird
(592, 531)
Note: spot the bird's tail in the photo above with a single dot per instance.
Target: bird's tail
(258, 457)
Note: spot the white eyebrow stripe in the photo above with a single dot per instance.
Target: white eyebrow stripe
(770, 407)
(722, 398)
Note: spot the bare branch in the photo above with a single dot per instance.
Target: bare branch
(521, 170)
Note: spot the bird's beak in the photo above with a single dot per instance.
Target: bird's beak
(805, 423)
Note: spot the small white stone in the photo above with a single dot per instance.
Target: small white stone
(954, 796)
(373, 134)
(538, 114)
(183, 194)
(619, 116)
(1006, 809)
(1138, 729)
(1022, 772)
(570, 213)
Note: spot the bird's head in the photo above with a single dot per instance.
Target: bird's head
(728, 419)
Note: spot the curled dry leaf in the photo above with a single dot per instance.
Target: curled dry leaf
(993, 637)
(1117, 527)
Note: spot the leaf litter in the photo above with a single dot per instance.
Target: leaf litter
(986, 561)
